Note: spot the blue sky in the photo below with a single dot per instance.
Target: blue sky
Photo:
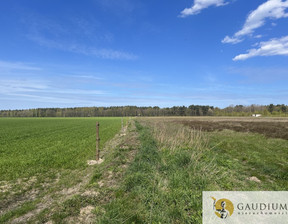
(142, 52)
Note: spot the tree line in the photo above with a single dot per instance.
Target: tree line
(124, 111)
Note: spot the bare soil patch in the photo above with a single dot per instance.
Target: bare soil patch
(272, 128)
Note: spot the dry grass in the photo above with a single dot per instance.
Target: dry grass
(173, 136)
(180, 141)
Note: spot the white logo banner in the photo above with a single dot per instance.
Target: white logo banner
(249, 207)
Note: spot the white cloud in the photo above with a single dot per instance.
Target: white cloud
(272, 9)
(82, 49)
(201, 4)
(268, 48)
(8, 86)
(232, 40)
(258, 36)
(5, 65)
(55, 35)
(111, 54)
(89, 77)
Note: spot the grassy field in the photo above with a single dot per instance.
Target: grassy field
(177, 161)
(154, 171)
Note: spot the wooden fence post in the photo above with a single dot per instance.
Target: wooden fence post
(97, 142)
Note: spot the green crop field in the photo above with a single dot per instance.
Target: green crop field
(33, 146)
(36, 152)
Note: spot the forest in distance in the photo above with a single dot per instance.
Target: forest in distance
(124, 111)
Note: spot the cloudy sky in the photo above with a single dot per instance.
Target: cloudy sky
(73, 53)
